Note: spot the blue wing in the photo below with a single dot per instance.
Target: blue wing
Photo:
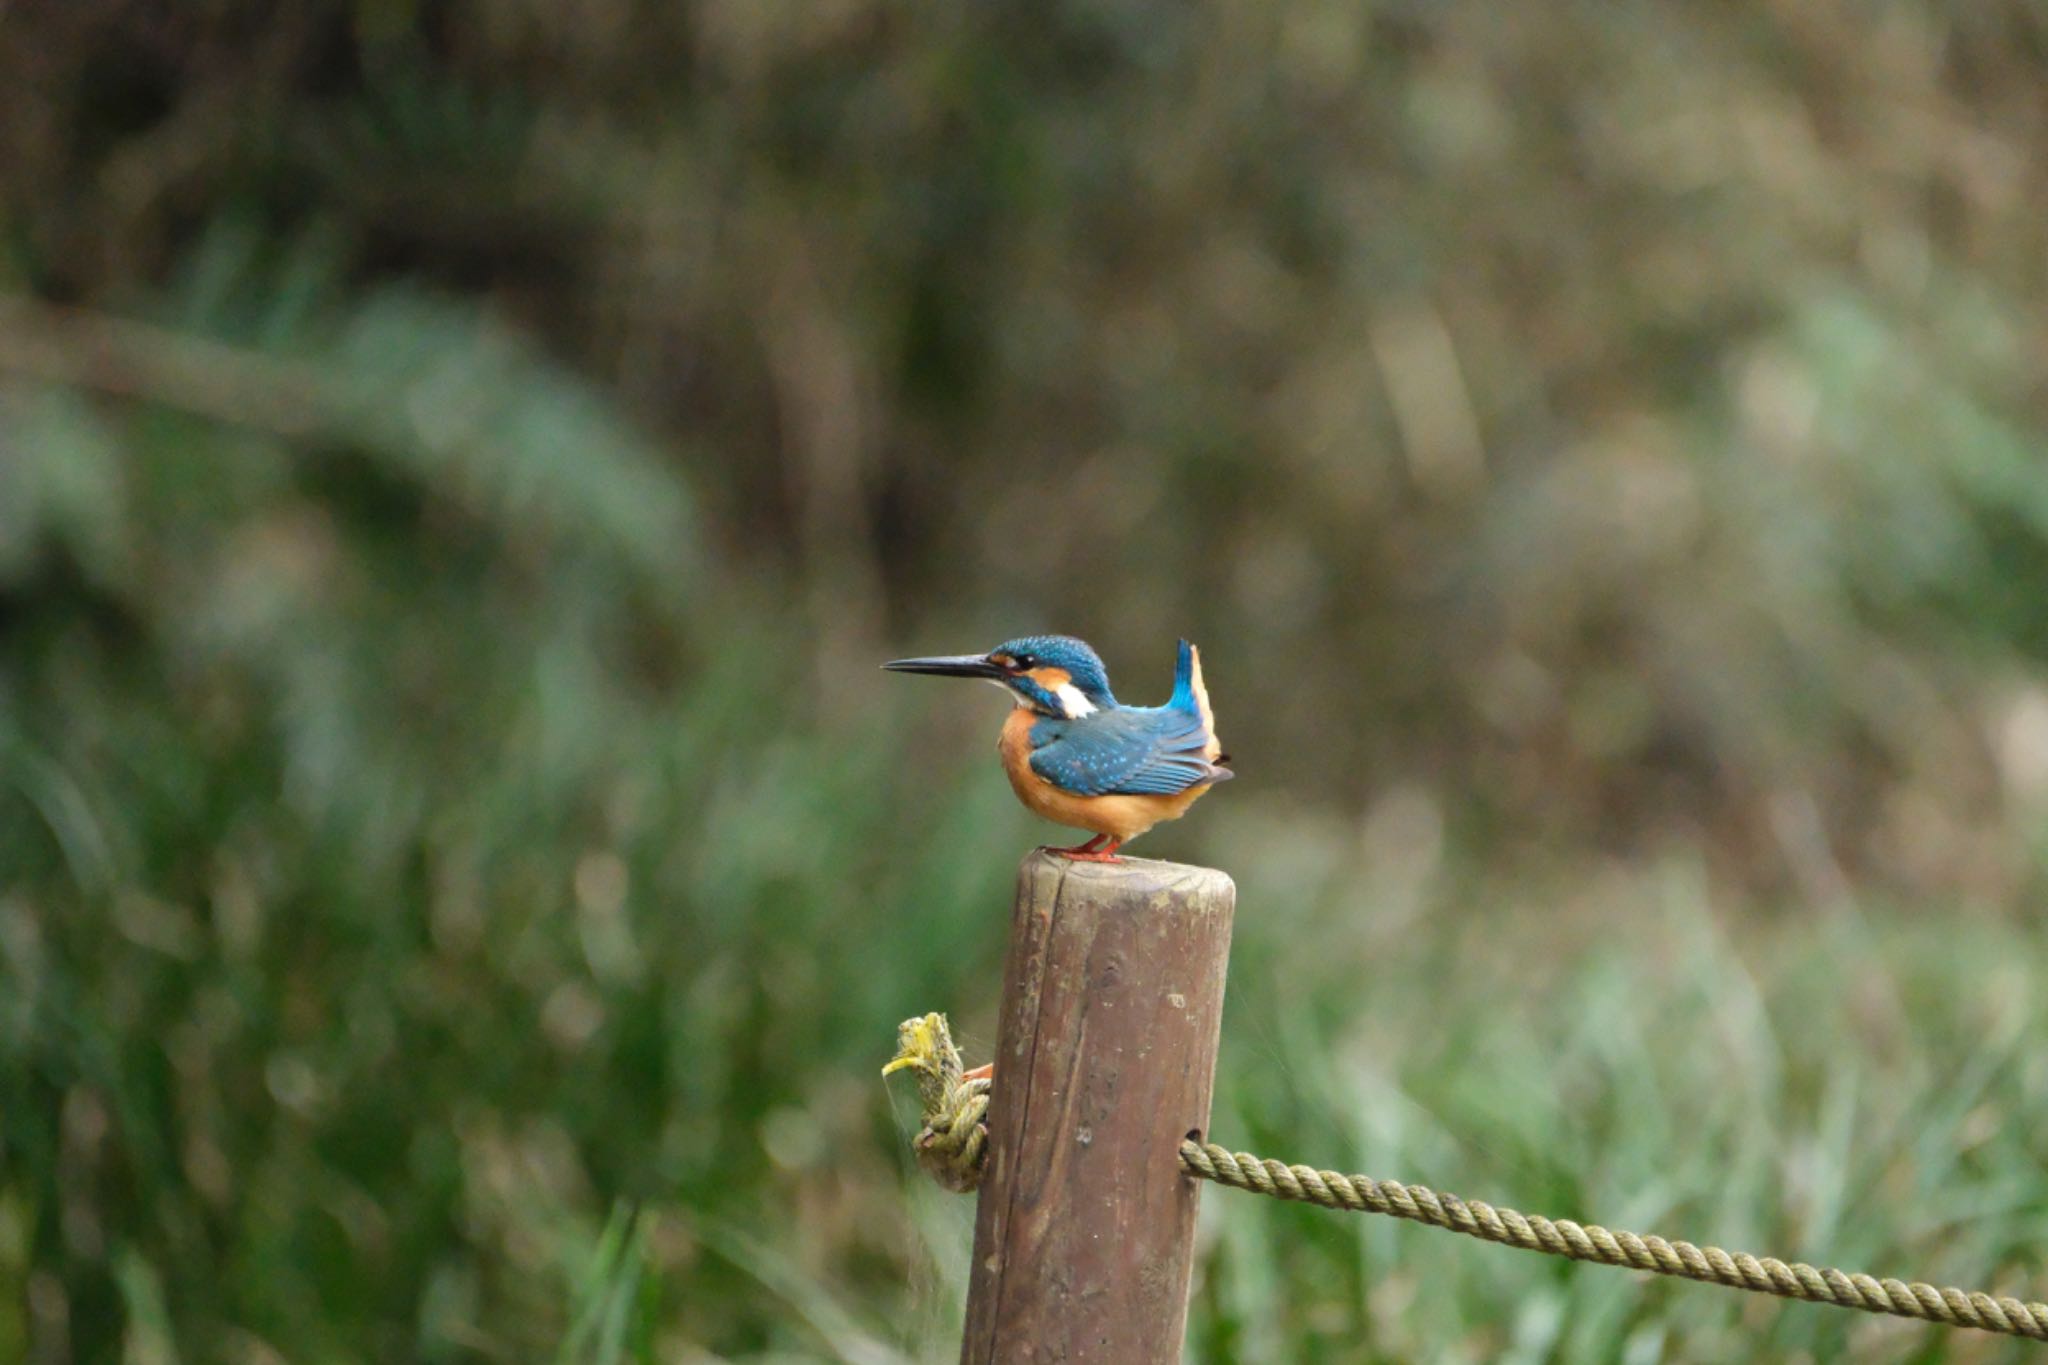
(1131, 751)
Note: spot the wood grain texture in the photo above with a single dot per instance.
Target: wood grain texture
(1112, 1005)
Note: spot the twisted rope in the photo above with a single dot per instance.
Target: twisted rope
(953, 1147)
(1591, 1242)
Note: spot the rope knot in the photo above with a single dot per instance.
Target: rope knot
(952, 1146)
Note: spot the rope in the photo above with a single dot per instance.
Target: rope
(1710, 1265)
(953, 1143)
(953, 1146)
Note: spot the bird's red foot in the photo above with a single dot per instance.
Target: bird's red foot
(1090, 853)
(985, 1072)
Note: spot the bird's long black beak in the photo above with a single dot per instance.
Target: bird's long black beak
(950, 666)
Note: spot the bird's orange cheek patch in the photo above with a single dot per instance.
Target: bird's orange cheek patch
(1051, 679)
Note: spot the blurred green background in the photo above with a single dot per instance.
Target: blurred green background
(460, 465)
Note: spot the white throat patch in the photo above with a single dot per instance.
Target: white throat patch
(1074, 701)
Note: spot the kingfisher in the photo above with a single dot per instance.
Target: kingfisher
(1077, 756)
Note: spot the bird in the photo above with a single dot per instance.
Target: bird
(1077, 756)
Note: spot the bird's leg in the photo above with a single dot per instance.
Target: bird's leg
(985, 1072)
(1088, 853)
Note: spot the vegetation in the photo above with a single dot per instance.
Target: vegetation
(460, 870)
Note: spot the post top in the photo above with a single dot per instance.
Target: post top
(1131, 874)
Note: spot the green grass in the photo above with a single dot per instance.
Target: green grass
(1839, 1089)
(607, 1089)
(539, 1015)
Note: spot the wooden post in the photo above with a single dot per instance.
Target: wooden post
(1112, 1004)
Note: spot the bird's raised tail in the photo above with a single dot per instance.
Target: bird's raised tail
(1192, 695)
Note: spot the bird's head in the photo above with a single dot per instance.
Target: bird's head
(1054, 675)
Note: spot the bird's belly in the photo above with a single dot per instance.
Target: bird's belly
(1118, 815)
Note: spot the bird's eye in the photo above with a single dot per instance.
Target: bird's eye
(1022, 662)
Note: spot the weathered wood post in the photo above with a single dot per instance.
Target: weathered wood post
(1112, 1004)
